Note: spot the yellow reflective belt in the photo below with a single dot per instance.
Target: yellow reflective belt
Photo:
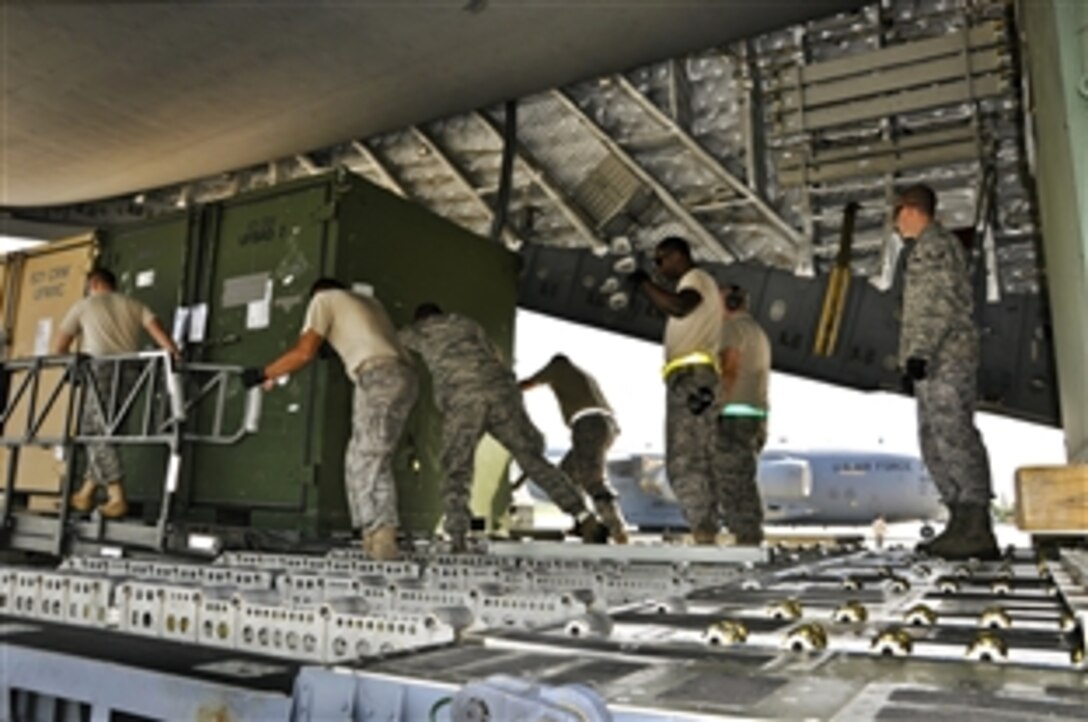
(698, 358)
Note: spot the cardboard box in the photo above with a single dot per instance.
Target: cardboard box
(41, 503)
(48, 283)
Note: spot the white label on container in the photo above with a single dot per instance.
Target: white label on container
(259, 313)
(198, 322)
(145, 279)
(241, 290)
(181, 325)
(43, 334)
(173, 472)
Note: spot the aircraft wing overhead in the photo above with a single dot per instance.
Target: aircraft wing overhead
(101, 99)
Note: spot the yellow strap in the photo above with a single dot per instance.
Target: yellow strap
(698, 358)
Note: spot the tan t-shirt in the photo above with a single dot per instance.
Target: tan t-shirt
(700, 330)
(574, 389)
(744, 334)
(358, 328)
(108, 323)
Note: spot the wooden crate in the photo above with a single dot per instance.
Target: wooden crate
(1052, 498)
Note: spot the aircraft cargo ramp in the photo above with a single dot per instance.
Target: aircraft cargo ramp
(532, 632)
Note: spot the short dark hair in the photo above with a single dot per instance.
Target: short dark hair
(735, 297)
(426, 310)
(675, 243)
(560, 358)
(326, 283)
(104, 276)
(920, 197)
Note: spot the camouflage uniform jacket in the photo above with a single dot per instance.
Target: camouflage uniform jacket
(459, 355)
(938, 299)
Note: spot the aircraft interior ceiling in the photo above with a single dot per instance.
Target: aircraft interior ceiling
(105, 98)
(751, 148)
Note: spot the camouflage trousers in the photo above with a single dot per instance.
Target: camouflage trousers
(103, 464)
(469, 414)
(691, 429)
(951, 445)
(740, 441)
(384, 396)
(591, 438)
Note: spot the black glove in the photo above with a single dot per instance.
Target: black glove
(917, 368)
(906, 383)
(637, 277)
(75, 372)
(700, 400)
(252, 376)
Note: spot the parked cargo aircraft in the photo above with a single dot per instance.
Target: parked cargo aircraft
(798, 487)
(826, 487)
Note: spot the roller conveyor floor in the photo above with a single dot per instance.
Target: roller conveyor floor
(829, 632)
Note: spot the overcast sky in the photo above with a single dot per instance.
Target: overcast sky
(804, 414)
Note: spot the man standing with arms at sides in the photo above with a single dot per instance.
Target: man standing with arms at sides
(939, 354)
(360, 332)
(108, 324)
(742, 430)
(592, 430)
(477, 394)
(692, 339)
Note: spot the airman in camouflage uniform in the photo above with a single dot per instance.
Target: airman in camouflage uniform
(363, 336)
(742, 429)
(939, 353)
(478, 394)
(593, 429)
(108, 324)
(692, 339)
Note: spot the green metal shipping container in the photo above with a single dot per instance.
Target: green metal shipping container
(240, 272)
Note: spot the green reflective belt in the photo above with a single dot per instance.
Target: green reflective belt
(744, 410)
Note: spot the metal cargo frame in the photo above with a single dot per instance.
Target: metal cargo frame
(146, 406)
